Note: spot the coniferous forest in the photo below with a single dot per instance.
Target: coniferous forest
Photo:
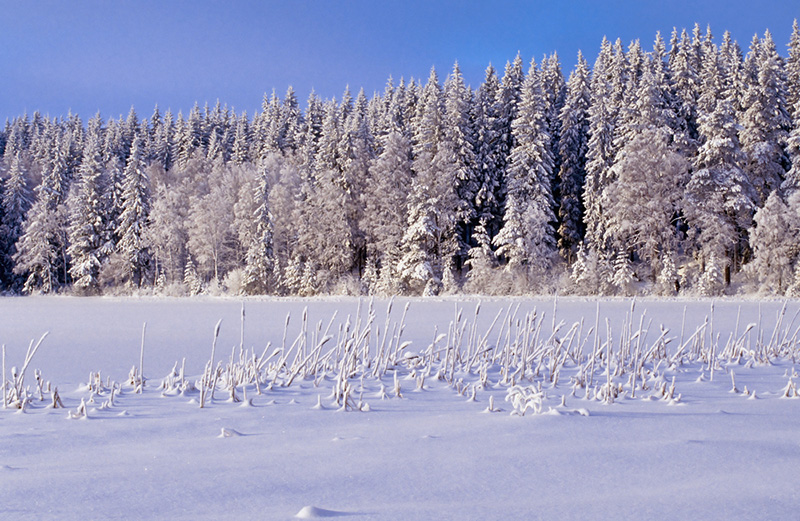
(672, 169)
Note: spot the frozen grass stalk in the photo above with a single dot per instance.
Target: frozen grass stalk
(5, 391)
(141, 361)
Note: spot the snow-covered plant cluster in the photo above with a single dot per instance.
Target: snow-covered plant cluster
(667, 170)
(532, 361)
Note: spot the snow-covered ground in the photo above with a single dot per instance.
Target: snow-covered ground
(699, 451)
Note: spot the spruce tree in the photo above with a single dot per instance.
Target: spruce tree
(600, 149)
(458, 132)
(385, 212)
(88, 222)
(16, 200)
(259, 266)
(572, 146)
(488, 166)
(648, 182)
(429, 240)
(527, 240)
(132, 246)
(765, 122)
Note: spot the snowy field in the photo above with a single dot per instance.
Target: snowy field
(511, 413)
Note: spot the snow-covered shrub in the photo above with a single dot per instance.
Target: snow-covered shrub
(233, 282)
(667, 283)
(712, 281)
(525, 398)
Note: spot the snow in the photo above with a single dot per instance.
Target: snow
(435, 453)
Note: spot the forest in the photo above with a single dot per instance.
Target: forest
(668, 171)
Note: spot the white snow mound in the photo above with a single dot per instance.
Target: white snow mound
(229, 433)
(312, 512)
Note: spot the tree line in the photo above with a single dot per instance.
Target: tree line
(662, 171)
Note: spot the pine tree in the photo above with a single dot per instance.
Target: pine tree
(508, 103)
(290, 135)
(648, 182)
(720, 200)
(132, 246)
(191, 279)
(600, 151)
(527, 239)
(793, 70)
(429, 241)
(385, 211)
(356, 151)
(458, 132)
(240, 152)
(88, 223)
(259, 266)
(41, 250)
(624, 276)
(765, 122)
(16, 200)
(793, 150)
(554, 89)
(685, 69)
(489, 164)
(572, 146)
(774, 240)
(327, 154)
(315, 114)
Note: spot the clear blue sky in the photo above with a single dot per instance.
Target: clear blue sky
(108, 55)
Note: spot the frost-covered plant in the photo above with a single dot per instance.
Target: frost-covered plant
(790, 391)
(525, 398)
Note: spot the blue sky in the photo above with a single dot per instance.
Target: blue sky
(109, 55)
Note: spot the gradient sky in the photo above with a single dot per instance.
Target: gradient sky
(99, 55)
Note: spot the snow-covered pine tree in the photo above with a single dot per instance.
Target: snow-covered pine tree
(792, 182)
(685, 70)
(555, 92)
(572, 146)
(133, 219)
(327, 155)
(458, 132)
(42, 249)
(314, 117)
(649, 177)
(429, 240)
(259, 266)
(719, 198)
(151, 136)
(240, 151)
(392, 115)
(488, 171)
(16, 200)
(765, 122)
(385, 212)
(356, 152)
(600, 149)
(774, 239)
(793, 70)
(624, 276)
(527, 240)
(88, 226)
(508, 99)
(290, 135)
(128, 130)
(191, 279)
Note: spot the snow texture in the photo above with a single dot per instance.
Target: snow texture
(710, 439)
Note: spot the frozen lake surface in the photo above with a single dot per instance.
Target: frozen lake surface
(593, 440)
